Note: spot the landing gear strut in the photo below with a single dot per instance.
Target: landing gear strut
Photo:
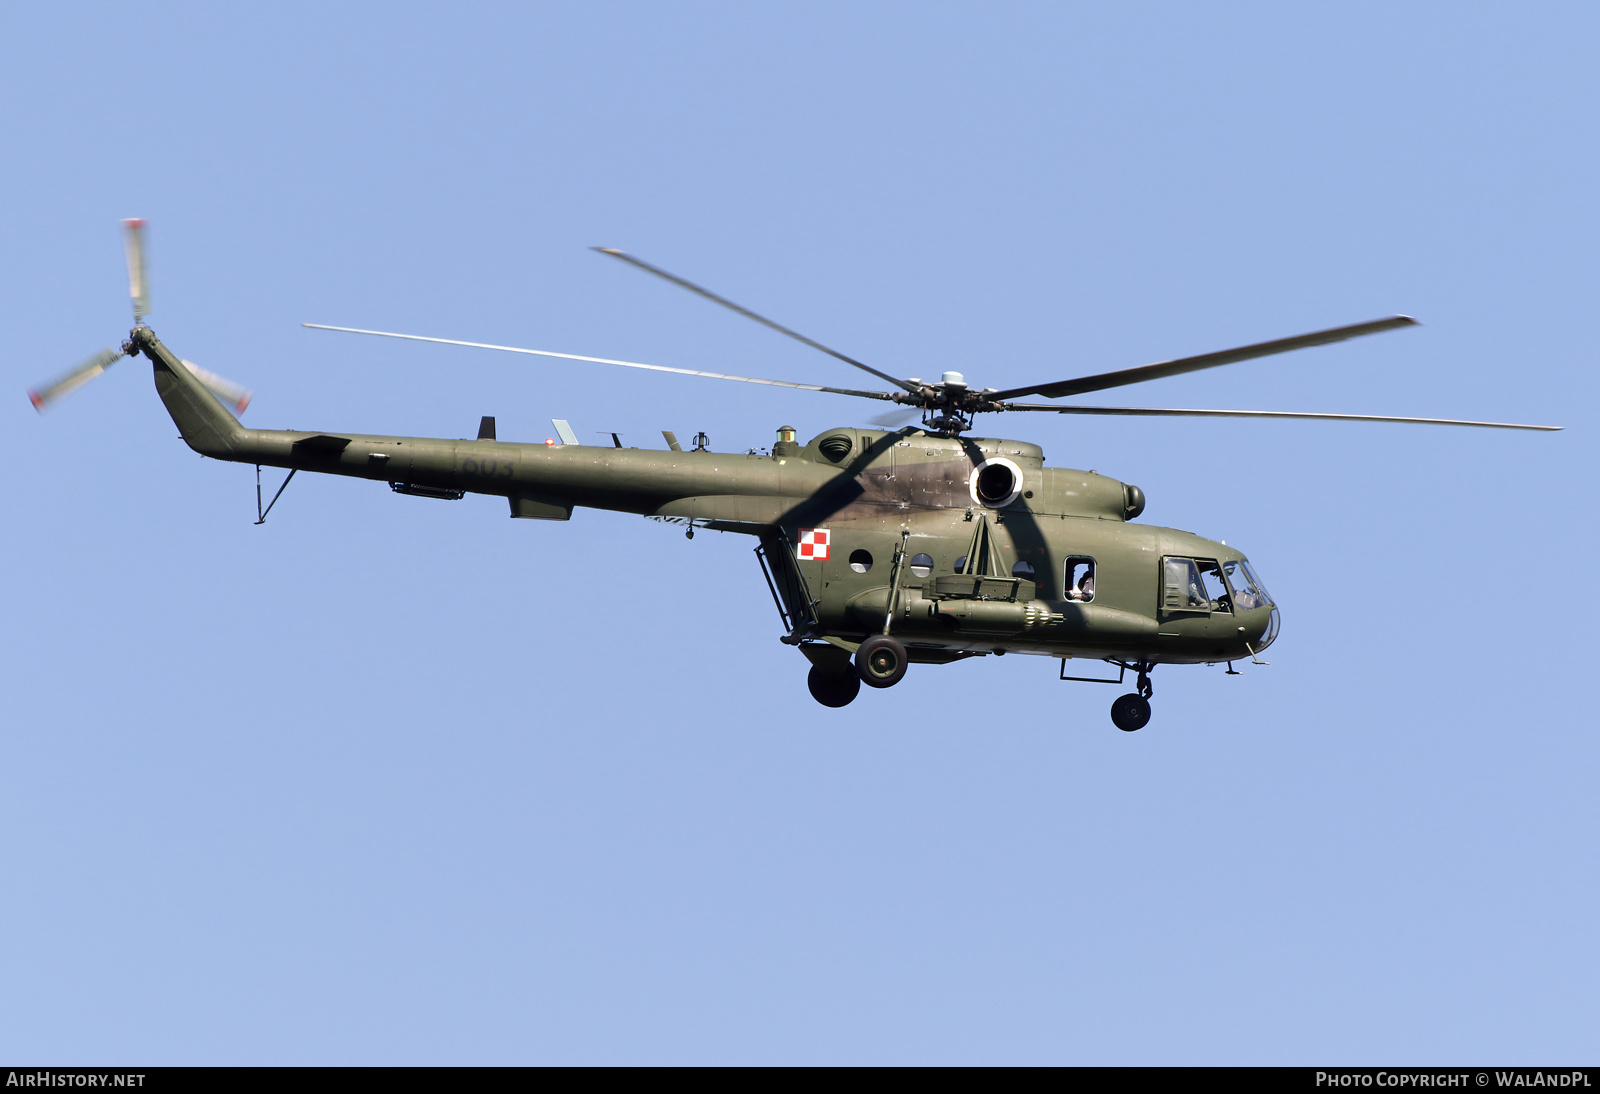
(1131, 712)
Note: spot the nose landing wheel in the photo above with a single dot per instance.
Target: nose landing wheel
(1132, 712)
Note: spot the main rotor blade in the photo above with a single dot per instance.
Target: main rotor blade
(1206, 360)
(223, 388)
(72, 381)
(893, 419)
(138, 283)
(748, 314)
(607, 361)
(1158, 412)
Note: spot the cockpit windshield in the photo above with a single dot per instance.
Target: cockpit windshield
(1248, 593)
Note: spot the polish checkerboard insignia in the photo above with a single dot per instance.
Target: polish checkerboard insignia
(814, 544)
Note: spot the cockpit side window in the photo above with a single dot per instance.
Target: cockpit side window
(1194, 585)
(1216, 589)
(1181, 588)
(1079, 584)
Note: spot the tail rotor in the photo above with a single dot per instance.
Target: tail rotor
(223, 388)
(42, 397)
(233, 395)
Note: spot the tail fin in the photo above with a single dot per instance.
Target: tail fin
(205, 424)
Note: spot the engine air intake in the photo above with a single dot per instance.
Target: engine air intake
(836, 447)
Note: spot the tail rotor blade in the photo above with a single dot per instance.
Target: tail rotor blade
(72, 381)
(138, 283)
(223, 388)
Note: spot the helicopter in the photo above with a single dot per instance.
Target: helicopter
(882, 547)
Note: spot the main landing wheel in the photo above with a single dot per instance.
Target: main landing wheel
(881, 661)
(1130, 712)
(833, 689)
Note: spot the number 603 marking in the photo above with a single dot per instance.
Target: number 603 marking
(489, 469)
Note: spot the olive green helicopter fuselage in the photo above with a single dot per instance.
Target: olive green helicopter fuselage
(955, 546)
(882, 548)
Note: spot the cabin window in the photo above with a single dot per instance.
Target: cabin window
(1079, 583)
(921, 565)
(1023, 569)
(860, 560)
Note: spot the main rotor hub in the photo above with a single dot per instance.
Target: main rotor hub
(948, 407)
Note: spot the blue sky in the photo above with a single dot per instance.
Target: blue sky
(388, 780)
